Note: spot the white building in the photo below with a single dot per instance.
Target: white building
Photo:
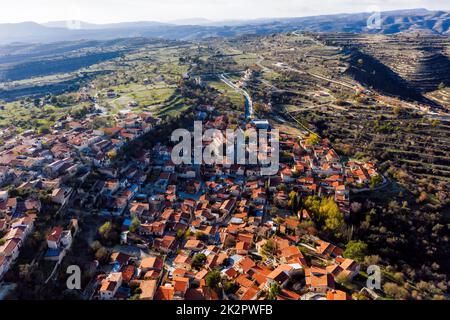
(110, 285)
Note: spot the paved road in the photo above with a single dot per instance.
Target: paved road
(248, 99)
(263, 67)
(383, 185)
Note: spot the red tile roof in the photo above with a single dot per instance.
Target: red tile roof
(55, 235)
(164, 293)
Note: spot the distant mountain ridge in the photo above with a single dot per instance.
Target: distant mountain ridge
(81, 25)
(392, 22)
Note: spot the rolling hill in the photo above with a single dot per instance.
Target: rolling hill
(392, 22)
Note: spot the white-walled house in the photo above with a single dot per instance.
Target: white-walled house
(10, 249)
(4, 195)
(53, 240)
(4, 265)
(110, 285)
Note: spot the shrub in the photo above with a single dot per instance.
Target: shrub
(356, 250)
(395, 291)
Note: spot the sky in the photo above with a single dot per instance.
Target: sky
(109, 11)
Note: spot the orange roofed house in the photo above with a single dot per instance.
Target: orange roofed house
(279, 275)
(110, 285)
(167, 244)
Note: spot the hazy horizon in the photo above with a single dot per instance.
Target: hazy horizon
(116, 11)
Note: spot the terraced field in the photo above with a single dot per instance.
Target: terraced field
(422, 61)
(409, 142)
(441, 96)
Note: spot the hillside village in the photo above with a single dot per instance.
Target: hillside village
(39, 169)
(87, 177)
(211, 232)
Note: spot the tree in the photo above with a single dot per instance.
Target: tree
(294, 201)
(37, 102)
(229, 242)
(108, 234)
(334, 218)
(313, 139)
(435, 123)
(326, 211)
(313, 204)
(102, 254)
(180, 233)
(25, 272)
(95, 246)
(360, 99)
(274, 291)
(375, 181)
(359, 296)
(273, 211)
(135, 224)
(372, 260)
(395, 291)
(230, 287)
(343, 279)
(213, 279)
(198, 260)
(226, 262)
(397, 110)
(201, 236)
(260, 107)
(112, 154)
(356, 250)
(44, 130)
(269, 248)
(105, 229)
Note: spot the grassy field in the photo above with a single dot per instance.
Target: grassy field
(27, 116)
(144, 96)
(144, 80)
(172, 109)
(246, 60)
(271, 75)
(234, 96)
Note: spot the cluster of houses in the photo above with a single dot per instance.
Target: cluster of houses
(194, 218)
(200, 218)
(360, 174)
(17, 219)
(46, 164)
